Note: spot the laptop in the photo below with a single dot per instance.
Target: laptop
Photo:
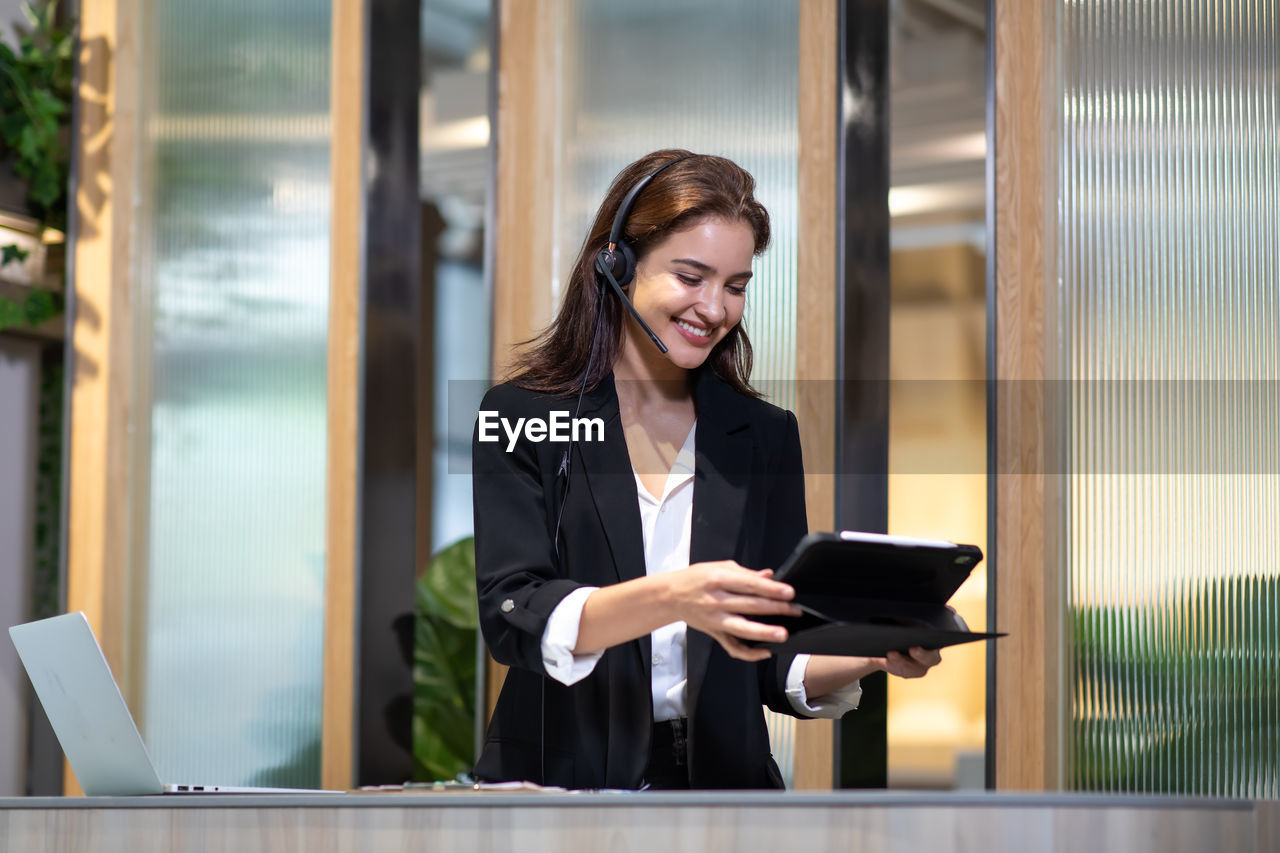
(88, 714)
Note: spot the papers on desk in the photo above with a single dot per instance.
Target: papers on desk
(481, 787)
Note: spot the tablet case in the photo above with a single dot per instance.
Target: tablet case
(867, 594)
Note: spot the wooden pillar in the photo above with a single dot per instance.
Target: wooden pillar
(815, 312)
(1025, 720)
(102, 404)
(347, 120)
(527, 133)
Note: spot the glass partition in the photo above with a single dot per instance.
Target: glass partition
(232, 267)
(1161, 324)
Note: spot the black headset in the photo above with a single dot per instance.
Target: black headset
(616, 262)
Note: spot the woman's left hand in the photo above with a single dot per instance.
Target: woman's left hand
(914, 664)
(828, 673)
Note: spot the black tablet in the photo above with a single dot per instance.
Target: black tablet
(879, 567)
(867, 594)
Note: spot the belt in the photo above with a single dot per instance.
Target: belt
(672, 736)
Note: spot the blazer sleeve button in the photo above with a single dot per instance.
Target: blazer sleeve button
(507, 606)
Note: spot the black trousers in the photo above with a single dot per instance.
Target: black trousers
(668, 767)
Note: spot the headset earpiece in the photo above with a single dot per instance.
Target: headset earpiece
(621, 262)
(621, 259)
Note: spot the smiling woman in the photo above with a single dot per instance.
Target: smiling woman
(621, 580)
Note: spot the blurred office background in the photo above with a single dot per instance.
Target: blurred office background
(1132, 409)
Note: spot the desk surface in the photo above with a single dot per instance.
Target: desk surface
(706, 822)
(423, 798)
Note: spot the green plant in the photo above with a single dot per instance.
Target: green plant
(35, 112)
(444, 665)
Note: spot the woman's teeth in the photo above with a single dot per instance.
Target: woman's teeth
(702, 333)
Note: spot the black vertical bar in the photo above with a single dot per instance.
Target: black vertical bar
(384, 680)
(862, 339)
(44, 761)
(989, 747)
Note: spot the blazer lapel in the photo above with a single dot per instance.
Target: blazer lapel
(723, 474)
(612, 484)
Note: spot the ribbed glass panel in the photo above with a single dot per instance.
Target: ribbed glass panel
(233, 267)
(715, 77)
(1164, 319)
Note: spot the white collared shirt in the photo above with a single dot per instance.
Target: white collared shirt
(667, 523)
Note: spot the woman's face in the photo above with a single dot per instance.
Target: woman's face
(691, 289)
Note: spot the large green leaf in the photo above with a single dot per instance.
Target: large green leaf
(12, 254)
(448, 589)
(444, 665)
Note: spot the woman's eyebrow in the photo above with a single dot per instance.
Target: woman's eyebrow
(707, 268)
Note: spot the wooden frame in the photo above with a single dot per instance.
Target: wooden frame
(816, 308)
(346, 271)
(527, 133)
(1026, 720)
(102, 403)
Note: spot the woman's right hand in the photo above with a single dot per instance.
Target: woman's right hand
(716, 598)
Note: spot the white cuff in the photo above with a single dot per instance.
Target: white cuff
(561, 635)
(960, 624)
(832, 706)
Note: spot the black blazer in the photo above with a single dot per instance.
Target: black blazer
(748, 505)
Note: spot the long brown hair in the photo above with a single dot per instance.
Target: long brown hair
(682, 195)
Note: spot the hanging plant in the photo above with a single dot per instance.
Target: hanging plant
(35, 117)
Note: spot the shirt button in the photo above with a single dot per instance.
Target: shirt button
(657, 660)
(664, 508)
(507, 606)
